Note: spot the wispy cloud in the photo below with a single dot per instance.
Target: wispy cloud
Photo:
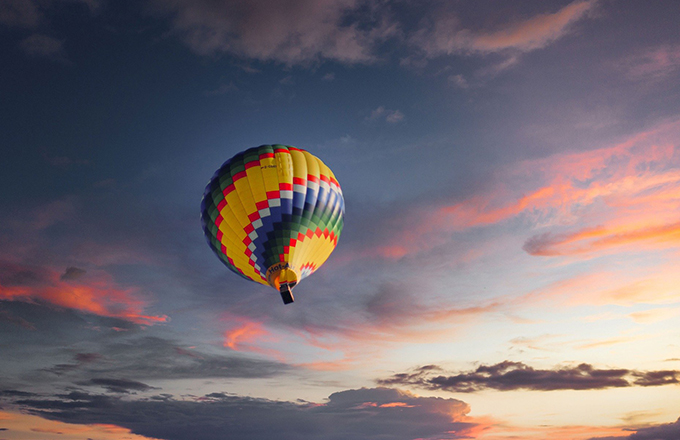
(72, 273)
(593, 239)
(445, 35)
(654, 64)
(294, 32)
(622, 197)
(32, 13)
(249, 335)
(223, 89)
(609, 287)
(654, 315)
(20, 13)
(390, 116)
(121, 386)
(39, 45)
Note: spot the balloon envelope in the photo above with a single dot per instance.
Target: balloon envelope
(273, 214)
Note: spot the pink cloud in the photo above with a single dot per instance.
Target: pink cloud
(655, 64)
(446, 37)
(621, 197)
(625, 196)
(533, 33)
(343, 344)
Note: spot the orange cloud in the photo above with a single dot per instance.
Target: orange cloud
(396, 405)
(28, 427)
(246, 332)
(654, 315)
(601, 238)
(96, 294)
(505, 431)
(653, 286)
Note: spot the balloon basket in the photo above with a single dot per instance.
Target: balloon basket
(286, 294)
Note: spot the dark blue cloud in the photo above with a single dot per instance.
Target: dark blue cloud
(508, 376)
(363, 414)
(664, 431)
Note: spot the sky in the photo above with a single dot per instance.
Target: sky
(508, 267)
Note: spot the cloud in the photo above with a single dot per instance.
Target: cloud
(459, 81)
(16, 320)
(381, 113)
(628, 191)
(97, 294)
(38, 45)
(624, 197)
(134, 355)
(592, 239)
(290, 32)
(246, 331)
(25, 426)
(666, 431)
(63, 161)
(389, 313)
(444, 35)
(123, 386)
(222, 89)
(81, 359)
(654, 315)
(508, 376)
(154, 358)
(72, 273)
(31, 13)
(627, 288)
(20, 13)
(359, 414)
(654, 64)
(244, 334)
(16, 394)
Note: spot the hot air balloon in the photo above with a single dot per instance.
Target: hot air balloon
(273, 214)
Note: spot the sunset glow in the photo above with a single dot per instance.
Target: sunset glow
(507, 266)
